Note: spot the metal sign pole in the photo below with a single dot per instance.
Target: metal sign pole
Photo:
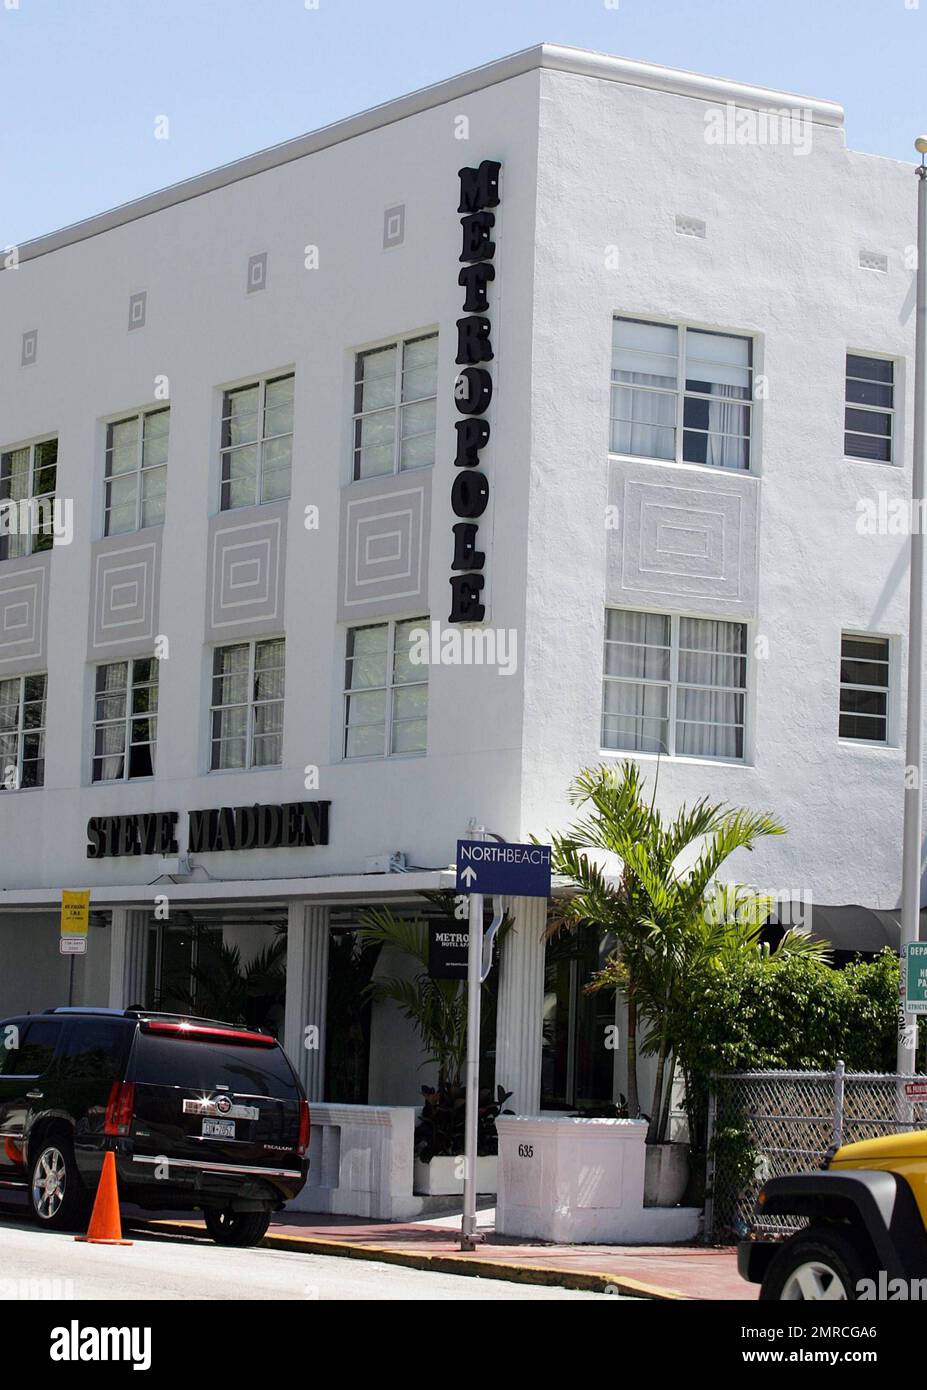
(474, 980)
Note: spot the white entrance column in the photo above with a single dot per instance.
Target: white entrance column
(520, 1003)
(306, 993)
(128, 957)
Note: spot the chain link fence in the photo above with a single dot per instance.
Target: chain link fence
(762, 1124)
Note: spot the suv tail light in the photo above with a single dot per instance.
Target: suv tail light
(302, 1142)
(120, 1108)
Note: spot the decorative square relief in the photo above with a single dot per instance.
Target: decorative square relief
(394, 226)
(689, 540)
(247, 564)
(383, 554)
(30, 348)
(138, 308)
(23, 615)
(257, 272)
(126, 575)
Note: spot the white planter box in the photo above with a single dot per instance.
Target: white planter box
(580, 1181)
(439, 1178)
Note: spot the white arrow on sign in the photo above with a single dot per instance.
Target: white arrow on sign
(468, 875)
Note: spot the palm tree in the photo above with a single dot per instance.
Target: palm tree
(654, 906)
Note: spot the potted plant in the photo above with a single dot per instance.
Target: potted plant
(439, 1140)
(437, 1008)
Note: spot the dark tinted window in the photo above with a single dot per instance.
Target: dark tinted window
(171, 1061)
(36, 1047)
(95, 1050)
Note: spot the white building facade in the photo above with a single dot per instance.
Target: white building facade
(674, 524)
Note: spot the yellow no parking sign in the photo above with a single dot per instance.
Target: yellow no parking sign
(75, 921)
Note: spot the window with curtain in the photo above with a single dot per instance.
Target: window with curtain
(869, 412)
(674, 685)
(386, 693)
(395, 403)
(28, 475)
(22, 732)
(257, 442)
(247, 705)
(865, 671)
(681, 394)
(136, 472)
(125, 720)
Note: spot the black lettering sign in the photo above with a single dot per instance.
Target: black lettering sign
(479, 191)
(294, 825)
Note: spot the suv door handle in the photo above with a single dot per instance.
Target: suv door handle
(34, 1095)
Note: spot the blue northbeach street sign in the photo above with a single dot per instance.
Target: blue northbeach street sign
(522, 871)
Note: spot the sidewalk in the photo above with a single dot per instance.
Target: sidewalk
(650, 1271)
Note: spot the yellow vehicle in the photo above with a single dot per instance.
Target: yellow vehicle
(866, 1214)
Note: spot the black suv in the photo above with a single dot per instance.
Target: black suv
(198, 1113)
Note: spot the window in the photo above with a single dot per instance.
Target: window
(247, 705)
(674, 685)
(868, 419)
(386, 694)
(136, 472)
(22, 732)
(681, 394)
(125, 720)
(864, 686)
(395, 399)
(257, 442)
(28, 476)
(37, 1043)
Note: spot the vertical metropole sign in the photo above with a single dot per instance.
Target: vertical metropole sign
(479, 193)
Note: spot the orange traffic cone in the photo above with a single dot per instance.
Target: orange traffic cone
(105, 1225)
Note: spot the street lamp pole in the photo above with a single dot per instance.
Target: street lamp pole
(914, 741)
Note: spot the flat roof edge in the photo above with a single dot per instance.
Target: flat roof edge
(578, 61)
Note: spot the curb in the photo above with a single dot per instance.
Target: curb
(550, 1276)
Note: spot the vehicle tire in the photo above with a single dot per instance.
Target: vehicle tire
(57, 1197)
(236, 1227)
(823, 1264)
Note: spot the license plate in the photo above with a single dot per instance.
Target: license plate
(218, 1129)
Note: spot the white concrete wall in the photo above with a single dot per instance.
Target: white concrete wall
(781, 261)
(203, 331)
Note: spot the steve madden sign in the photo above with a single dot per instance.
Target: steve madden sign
(479, 191)
(292, 825)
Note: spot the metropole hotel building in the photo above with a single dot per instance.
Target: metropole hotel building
(620, 398)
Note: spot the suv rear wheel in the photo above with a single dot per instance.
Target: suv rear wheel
(823, 1264)
(56, 1195)
(236, 1227)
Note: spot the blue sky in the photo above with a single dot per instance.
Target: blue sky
(83, 81)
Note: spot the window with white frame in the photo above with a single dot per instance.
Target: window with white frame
(136, 472)
(125, 720)
(674, 685)
(386, 692)
(22, 732)
(27, 477)
(681, 394)
(246, 713)
(257, 442)
(870, 408)
(395, 403)
(865, 674)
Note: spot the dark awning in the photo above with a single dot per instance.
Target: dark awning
(847, 928)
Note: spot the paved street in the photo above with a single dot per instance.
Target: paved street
(41, 1264)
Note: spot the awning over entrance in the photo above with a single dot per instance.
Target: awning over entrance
(848, 928)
